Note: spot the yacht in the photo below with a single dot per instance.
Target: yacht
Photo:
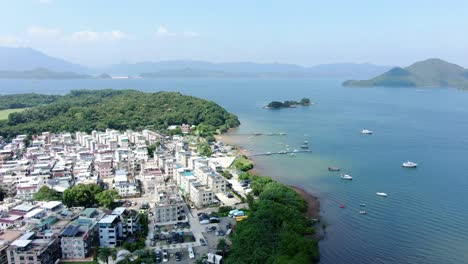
(366, 132)
(334, 169)
(409, 164)
(346, 177)
(381, 194)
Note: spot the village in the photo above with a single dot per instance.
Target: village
(185, 204)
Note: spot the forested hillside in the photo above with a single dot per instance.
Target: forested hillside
(87, 110)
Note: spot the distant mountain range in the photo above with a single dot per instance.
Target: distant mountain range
(244, 69)
(41, 73)
(25, 62)
(427, 73)
(26, 59)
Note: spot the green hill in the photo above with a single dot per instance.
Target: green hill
(427, 73)
(87, 110)
(41, 73)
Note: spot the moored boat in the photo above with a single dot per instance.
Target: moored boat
(362, 212)
(333, 168)
(367, 132)
(409, 164)
(346, 177)
(381, 194)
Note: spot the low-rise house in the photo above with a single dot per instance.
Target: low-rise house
(78, 237)
(6, 237)
(30, 249)
(201, 195)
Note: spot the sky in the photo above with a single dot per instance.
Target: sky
(305, 32)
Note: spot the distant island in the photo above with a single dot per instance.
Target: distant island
(427, 73)
(288, 104)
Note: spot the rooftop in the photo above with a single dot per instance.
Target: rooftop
(108, 219)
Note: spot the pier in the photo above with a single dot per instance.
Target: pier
(279, 153)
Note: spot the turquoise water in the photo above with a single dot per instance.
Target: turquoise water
(424, 218)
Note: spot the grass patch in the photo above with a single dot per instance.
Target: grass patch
(4, 113)
(242, 163)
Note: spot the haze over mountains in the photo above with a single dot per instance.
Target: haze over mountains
(29, 60)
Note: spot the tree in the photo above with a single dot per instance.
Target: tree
(107, 198)
(204, 149)
(104, 253)
(46, 194)
(81, 195)
(222, 246)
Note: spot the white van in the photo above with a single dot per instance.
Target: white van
(191, 253)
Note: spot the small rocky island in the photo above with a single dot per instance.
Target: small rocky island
(288, 104)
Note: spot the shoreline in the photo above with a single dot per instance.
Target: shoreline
(313, 201)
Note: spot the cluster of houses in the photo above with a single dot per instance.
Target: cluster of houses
(42, 232)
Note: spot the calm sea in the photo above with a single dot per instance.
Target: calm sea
(424, 219)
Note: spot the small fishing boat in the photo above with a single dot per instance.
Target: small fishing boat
(362, 204)
(381, 194)
(304, 146)
(282, 152)
(334, 168)
(409, 164)
(367, 132)
(346, 177)
(362, 212)
(295, 150)
(268, 153)
(292, 154)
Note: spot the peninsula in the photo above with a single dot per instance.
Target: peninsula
(427, 73)
(288, 104)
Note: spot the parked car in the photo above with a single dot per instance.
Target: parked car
(165, 255)
(178, 256)
(153, 243)
(205, 222)
(202, 242)
(230, 195)
(158, 256)
(214, 220)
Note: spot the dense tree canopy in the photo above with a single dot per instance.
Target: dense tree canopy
(14, 101)
(87, 110)
(81, 195)
(46, 194)
(275, 231)
(107, 198)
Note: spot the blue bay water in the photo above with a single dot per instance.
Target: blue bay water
(423, 219)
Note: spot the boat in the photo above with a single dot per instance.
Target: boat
(346, 177)
(342, 206)
(409, 164)
(268, 153)
(282, 152)
(295, 150)
(362, 204)
(304, 146)
(282, 134)
(366, 132)
(292, 154)
(334, 169)
(381, 194)
(362, 212)
(257, 134)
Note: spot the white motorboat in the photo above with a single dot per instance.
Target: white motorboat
(381, 194)
(409, 164)
(362, 204)
(268, 153)
(346, 177)
(366, 132)
(362, 212)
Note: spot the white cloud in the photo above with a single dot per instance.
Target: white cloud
(10, 41)
(94, 36)
(37, 31)
(163, 31)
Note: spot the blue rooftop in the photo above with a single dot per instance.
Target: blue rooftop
(187, 173)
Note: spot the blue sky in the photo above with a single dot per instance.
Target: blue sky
(309, 32)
